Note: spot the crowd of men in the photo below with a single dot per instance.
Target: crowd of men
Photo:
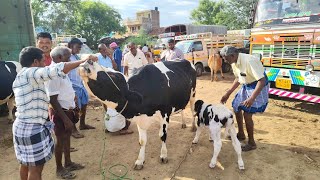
(50, 95)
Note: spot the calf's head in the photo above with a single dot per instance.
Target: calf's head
(109, 86)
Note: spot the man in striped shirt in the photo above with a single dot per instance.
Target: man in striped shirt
(32, 138)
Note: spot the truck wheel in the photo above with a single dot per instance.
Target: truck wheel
(199, 69)
(226, 67)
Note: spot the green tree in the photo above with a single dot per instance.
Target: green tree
(91, 19)
(95, 19)
(141, 39)
(234, 13)
(207, 11)
(53, 16)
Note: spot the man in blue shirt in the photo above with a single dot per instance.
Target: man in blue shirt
(117, 55)
(104, 59)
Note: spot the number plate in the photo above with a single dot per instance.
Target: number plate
(283, 83)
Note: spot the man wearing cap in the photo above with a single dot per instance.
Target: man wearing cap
(252, 97)
(172, 52)
(117, 55)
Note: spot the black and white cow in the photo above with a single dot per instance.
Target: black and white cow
(8, 72)
(160, 89)
(215, 117)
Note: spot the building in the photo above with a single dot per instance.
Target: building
(148, 20)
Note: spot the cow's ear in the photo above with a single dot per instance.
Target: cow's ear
(134, 97)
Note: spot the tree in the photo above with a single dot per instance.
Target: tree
(233, 13)
(53, 16)
(91, 19)
(207, 11)
(95, 19)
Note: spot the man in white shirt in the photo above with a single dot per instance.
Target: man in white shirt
(172, 52)
(133, 60)
(61, 112)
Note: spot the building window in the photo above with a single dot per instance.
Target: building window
(149, 16)
(138, 28)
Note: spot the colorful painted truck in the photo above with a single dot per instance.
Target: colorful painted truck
(198, 47)
(286, 34)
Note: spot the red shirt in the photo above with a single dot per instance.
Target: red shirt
(47, 60)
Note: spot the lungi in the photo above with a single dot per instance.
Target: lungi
(33, 143)
(81, 94)
(260, 103)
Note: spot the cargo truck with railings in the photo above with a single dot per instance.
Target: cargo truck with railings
(286, 34)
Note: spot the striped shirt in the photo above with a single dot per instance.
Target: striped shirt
(30, 95)
(74, 74)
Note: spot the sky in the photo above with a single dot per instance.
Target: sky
(171, 11)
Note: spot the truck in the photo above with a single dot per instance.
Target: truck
(184, 29)
(197, 48)
(17, 29)
(286, 35)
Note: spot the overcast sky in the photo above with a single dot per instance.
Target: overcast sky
(171, 11)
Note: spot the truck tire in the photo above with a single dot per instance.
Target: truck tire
(199, 69)
(226, 67)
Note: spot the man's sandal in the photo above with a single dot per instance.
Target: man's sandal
(77, 135)
(65, 174)
(74, 166)
(124, 132)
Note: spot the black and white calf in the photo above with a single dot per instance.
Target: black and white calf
(160, 89)
(217, 116)
(8, 73)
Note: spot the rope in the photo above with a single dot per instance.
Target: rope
(183, 159)
(114, 176)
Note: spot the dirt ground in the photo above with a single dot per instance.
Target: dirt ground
(287, 134)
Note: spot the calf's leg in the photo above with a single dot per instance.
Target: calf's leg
(236, 143)
(198, 132)
(192, 102)
(215, 131)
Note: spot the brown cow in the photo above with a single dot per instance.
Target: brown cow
(215, 64)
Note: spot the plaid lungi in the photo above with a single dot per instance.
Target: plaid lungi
(260, 103)
(33, 143)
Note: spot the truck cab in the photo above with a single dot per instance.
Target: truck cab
(198, 47)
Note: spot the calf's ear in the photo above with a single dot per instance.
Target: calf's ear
(134, 97)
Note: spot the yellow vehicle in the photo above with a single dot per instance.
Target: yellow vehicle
(198, 47)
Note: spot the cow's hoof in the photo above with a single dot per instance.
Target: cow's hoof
(193, 129)
(241, 167)
(138, 167)
(164, 160)
(211, 165)
(183, 126)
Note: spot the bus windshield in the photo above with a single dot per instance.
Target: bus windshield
(286, 11)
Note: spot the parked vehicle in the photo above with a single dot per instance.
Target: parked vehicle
(286, 34)
(198, 47)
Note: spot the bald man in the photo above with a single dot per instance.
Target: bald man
(105, 57)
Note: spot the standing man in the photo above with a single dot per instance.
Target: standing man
(44, 42)
(62, 113)
(253, 95)
(117, 55)
(33, 143)
(172, 52)
(104, 59)
(133, 60)
(81, 93)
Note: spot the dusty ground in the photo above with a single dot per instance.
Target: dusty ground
(288, 139)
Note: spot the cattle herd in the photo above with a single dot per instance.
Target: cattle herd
(156, 90)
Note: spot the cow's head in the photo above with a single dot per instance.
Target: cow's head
(107, 85)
